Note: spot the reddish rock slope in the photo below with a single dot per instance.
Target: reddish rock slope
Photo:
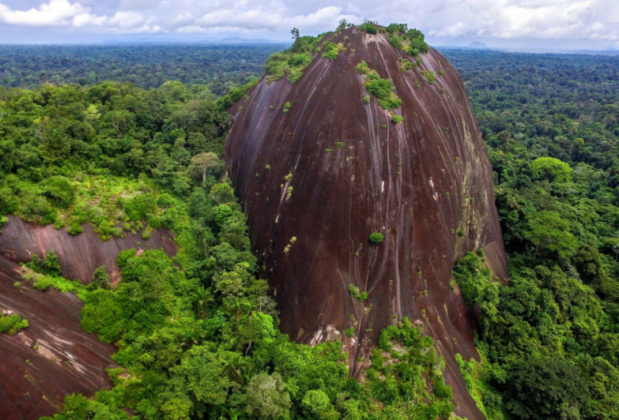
(79, 255)
(419, 183)
(54, 357)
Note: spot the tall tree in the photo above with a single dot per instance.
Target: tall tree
(205, 162)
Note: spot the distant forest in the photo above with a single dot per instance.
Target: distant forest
(550, 339)
(146, 66)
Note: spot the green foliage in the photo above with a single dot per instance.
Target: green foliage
(332, 50)
(145, 66)
(11, 324)
(381, 88)
(293, 61)
(547, 388)
(101, 279)
(551, 169)
(405, 64)
(118, 142)
(475, 376)
(266, 397)
(316, 404)
(397, 119)
(368, 28)
(355, 293)
(78, 407)
(286, 107)
(409, 373)
(235, 95)
(49, 265)
(376, 238)
(396, 42)
(549, 232)
(429, 75)
(59, 191)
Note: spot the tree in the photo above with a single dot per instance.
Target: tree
(295, 33)
(343, 24)
(551, 169)
(267, 397)
(548, 231)
(203, 298)
(59, 191)
(233, 366)
(317, 405)
(546, 389)
(101, 279)
(204, 162)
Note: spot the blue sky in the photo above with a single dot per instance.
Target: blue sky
(569, 24)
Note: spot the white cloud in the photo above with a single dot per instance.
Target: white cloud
(54, 13)
(64, 13)
(546, 19)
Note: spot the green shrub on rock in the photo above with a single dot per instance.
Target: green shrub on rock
(377, 238)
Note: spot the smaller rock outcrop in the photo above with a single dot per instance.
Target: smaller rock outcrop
(53, 357)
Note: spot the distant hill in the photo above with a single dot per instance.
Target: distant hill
(238, 40)
(477, 44)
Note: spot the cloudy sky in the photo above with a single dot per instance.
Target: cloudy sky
(498, 23)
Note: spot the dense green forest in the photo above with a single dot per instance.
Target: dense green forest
(550, 338)
(147, 66)
(203, 341)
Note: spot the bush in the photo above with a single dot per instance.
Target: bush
(396, 41)
(395, 28)
(295, 75)
(397, 119)
(12, 323)
(377, 238)
(300, 60)
(419, 44)
(405, 65)
(355, 293)
(429, 75)
(140, 207)
(35, 208)
(59, 191)
(368, 28)
(315, 403)
(50, 265)
(332, 51)
(75, 228)
(101, 279)
(383, 90)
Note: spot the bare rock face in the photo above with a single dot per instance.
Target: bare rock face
(425, 184)
(54, 357)
(79, 255)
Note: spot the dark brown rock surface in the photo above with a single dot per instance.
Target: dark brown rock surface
(418, 183)
(54, 357)
(79, 255)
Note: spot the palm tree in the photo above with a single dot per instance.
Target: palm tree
(234, 366)
(239, 306)
(203, 298)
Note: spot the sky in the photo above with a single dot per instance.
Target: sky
(511, 24)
